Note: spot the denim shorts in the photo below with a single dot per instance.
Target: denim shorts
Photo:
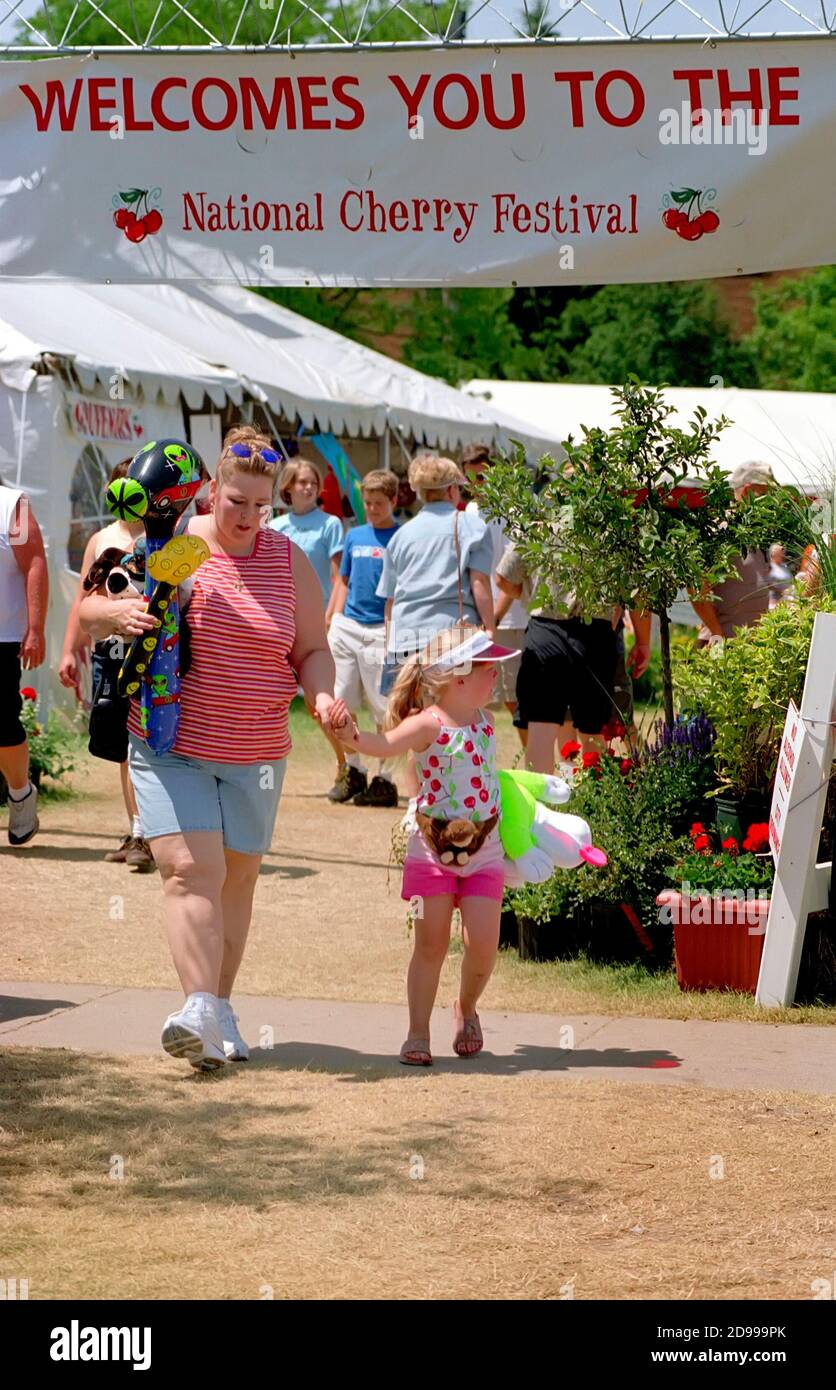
(177, 795)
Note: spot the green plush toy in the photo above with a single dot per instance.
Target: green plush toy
(536, 839)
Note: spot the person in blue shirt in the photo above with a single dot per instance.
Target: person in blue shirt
(356, 636)
(321, 537)
(437, 570)
(314, 531)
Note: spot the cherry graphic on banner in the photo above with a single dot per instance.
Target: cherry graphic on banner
(134, 214)
(687, 217)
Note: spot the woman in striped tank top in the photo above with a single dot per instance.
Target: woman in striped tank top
(208, 807)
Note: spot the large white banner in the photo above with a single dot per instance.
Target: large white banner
(584, 164)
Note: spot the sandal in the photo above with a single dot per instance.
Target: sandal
(416, 1053)
(467, 1033)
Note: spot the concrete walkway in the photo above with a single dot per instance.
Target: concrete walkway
(357, 1039)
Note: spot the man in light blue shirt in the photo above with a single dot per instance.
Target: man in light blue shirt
(423, 578)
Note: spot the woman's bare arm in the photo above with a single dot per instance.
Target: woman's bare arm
(310, 655)
(413, 735)
(483, 598)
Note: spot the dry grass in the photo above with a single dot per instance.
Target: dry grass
(301, 1182)
(328, 922)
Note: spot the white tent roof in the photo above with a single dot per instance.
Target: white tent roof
(225, 340)
(68, 321)
(793, 431)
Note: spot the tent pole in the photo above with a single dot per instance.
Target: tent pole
(276, 432)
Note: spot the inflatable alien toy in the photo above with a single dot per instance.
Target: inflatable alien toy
(161, 481)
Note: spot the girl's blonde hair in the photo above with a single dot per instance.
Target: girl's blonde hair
(291, 472)
(229, 463)
(418, 685)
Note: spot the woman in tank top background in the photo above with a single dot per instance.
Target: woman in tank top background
(208, 806)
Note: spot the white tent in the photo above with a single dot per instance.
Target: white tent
(793, 431)
(300, 368)
(89, 372)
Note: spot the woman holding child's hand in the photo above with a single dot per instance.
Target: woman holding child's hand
(209, 806)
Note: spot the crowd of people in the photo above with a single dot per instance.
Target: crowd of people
(428, 622)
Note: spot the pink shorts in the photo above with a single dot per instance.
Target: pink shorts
(424, 876)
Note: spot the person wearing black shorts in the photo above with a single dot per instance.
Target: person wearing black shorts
(24, 593)
(565, 686)
(567, 673)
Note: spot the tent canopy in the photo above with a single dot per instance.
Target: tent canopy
(68, 321)
(225, 341)
(793, 431)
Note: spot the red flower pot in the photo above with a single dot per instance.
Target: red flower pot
(718, 945)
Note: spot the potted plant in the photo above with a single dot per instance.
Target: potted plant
(638, 808)
(544, 913)
(719, 909)
(744, 685)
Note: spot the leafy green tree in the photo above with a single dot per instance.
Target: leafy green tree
(793, 343)
(461, 333)
(221, 18)
(605, 524)
(535, 19)
(674, 333)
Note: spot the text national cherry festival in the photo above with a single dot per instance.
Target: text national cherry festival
(482, 165)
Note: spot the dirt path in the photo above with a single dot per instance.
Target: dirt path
(328, 923)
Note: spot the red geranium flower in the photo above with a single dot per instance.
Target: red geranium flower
(731, 846)
(702, 844)
(570, 749)
(757, 838)
(28, 693)
(591, 759)
(696, 829)
(626, 765)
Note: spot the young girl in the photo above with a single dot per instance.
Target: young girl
(436, 712)
(316, 532)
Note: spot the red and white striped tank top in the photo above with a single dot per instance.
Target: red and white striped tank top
(235, 699)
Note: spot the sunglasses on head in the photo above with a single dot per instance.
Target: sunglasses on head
(246, 451)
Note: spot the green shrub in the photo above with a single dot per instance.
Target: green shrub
(744, 685)
(52, 747)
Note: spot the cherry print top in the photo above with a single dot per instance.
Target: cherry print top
(457, 773)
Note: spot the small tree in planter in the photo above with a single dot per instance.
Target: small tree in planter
(614, 523)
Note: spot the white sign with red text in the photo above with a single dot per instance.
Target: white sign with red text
(804, 766)
(485, 166)
(789, 759)
(105, 421)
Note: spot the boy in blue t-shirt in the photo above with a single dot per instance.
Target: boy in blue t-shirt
(356, 636)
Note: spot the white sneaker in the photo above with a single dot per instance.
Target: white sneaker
(234, 1046)
(195, 1033)
(23, 817)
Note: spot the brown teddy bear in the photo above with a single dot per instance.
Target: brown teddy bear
(454, 840)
